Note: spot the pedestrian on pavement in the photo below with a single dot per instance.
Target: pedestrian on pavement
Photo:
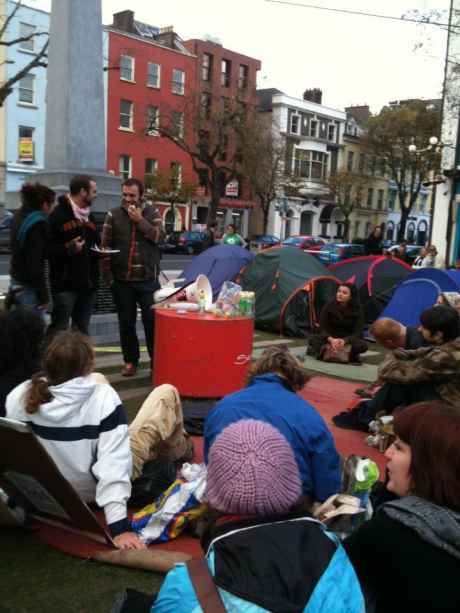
(29, 238)
(135, 230)
(74, 266)
(374, 242)
(210, 236)
(232, 238)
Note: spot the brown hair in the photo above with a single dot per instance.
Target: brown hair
(386, 329)
(278, 360)
(69, 355)
(432, 431)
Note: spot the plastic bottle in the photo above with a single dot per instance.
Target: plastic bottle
(202, 302)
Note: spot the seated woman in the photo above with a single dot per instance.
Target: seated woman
(408, 554)
(80, 420)
(341, 325)
(261, 554)
(22, 331)
(270, 396)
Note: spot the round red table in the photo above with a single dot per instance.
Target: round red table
(201, 354)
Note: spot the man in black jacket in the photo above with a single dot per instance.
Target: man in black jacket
(74, 267)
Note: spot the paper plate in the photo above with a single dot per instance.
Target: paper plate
(105, 251)
(183, 306)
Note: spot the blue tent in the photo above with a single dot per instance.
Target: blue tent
(220, 263)
(418, 292)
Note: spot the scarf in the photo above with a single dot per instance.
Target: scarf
(27, 224)
(436, 525)
(82, 214)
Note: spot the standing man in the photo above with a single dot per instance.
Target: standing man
(74, 267)
(374, 242)
(135, 229)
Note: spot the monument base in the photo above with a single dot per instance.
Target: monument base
(108, 186)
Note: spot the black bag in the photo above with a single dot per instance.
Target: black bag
(156, 477)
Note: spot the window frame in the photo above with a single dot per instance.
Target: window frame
(178, 87)
(206, 67)
(31, 89)
(31, 40)
(297, 117)
(334, 133)
(130, 115)
(180, 123)
(158, 84)
(313, 133)
(306, 161)
(225, 72)
(132, 69)
(370, 197)
(125, 174)
(243, 77)
(153, 131)
(31, 137)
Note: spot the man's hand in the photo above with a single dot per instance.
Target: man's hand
(75, 245)
(134, 213)
(128, 540)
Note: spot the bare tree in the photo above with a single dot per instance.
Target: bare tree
(37, 60)
(389, 136)
(170, 187)
(347, 189)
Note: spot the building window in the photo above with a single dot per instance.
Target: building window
(153, 75)
(380, 199)
(411, 232)
(206, 67)
(178, 82)
(205, 105)
(26, 149)
(331, 132)
(27, 31)
(126, 114)
(153, 119)
(310, 164)
(127, 68)
(391, 199)
(125, 167)
(350, 156)
(176, 175)
(26, 89)
(357, 229)
(362, 163)
(422, 203)
(243, 76)
(226, 71)
(151, 167)
(370, 196)
(313, 128)
(295, 124)
(177, 120)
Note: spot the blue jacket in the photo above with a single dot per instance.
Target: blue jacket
(268, 399)
(287, 565)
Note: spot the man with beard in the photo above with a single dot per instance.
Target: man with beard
(74, 267)
(135, 230)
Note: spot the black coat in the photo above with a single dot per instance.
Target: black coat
(71, 272)
(341, 322)
(374, 245)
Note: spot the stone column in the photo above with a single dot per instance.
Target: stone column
(75, 108)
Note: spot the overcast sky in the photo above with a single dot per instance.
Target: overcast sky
(353, 59)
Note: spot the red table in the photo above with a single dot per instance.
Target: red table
(201, 354)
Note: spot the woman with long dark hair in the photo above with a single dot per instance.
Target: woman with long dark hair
(29, 237)
(341, 327)
(408, 554)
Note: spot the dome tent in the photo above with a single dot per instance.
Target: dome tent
(291, 287)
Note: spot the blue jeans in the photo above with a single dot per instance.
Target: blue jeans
(24, 295)
(76, 306)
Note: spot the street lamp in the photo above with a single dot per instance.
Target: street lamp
(433, 144)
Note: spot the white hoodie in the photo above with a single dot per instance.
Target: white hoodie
(84, 429)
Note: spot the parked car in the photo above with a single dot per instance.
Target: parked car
(412, 252)
(169, 245)
(263, 242)
(305, 242)
(336, 252)
(190, 242)
(5, 228)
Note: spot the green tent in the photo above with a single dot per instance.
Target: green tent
(291, 287)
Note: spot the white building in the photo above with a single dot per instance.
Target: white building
(313, 134)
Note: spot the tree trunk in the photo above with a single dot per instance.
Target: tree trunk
(215, 200)
(266, 213)
(346, 229)
(402, 228)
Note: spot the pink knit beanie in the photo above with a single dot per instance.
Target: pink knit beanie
(252, 471)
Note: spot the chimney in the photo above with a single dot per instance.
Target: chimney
(124, 21)
(313, 95)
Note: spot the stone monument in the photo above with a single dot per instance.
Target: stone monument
(75, 106)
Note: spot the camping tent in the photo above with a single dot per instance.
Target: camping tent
(291, 287)
(375, 276)
(220, 263)
(418, 292)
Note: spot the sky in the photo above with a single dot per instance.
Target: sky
(354, 59)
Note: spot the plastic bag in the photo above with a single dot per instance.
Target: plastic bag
(183, 501)
(228, 299)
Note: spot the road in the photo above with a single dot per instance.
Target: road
(171, 262)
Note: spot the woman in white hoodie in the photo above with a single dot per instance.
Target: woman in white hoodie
(82, 424)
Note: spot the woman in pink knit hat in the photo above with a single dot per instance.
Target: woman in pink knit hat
(262, 552)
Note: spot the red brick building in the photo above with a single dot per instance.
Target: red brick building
(149, 69)
(223, 74)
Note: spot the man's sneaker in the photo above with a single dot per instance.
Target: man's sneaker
(129, 370)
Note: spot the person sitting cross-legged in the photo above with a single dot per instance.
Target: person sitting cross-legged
(417, 375)
(270, 396)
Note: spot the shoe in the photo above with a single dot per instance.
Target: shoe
(349, 420)
(129, 370)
